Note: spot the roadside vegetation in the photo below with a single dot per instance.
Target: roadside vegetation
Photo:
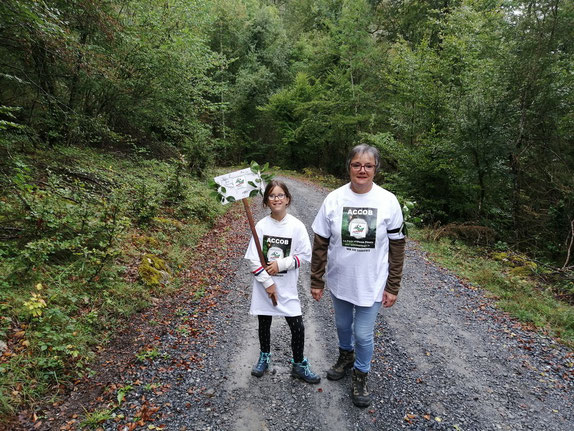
(88, 239)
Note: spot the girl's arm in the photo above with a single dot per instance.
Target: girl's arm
(260, 274)
(284, 264)
(301, 252)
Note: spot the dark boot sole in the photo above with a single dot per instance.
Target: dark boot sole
(313, 382)
(257, 374)
(338, 376)
(361, 403)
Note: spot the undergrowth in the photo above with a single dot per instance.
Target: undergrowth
(75, 225)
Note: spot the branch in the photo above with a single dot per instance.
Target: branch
(571, 235)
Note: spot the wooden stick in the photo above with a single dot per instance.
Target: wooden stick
(570, 245)
(256, 239)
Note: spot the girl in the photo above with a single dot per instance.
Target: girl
(284, 242)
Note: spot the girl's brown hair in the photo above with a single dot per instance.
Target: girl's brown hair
(270, 186)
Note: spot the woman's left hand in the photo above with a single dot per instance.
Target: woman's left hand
(388, 299)
(272, 268)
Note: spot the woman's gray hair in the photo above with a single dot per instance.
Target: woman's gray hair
(362, 149)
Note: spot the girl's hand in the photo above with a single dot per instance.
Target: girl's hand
(271, 293)
(272, 268)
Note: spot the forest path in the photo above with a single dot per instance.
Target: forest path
(445, 357)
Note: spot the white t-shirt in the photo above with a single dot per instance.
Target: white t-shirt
(358, 226)
(286, 241)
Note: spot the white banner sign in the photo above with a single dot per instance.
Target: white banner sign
(238, 185)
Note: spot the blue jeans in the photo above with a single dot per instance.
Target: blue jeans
(355, 328)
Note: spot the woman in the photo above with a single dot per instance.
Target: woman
(358, 231)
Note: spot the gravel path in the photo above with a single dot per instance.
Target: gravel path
(444, 359)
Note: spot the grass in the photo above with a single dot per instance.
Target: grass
(94, 419)
(525, 293)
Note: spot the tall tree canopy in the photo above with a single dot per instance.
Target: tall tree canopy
(470, 101)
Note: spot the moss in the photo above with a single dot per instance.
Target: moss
(146, 241)
(502, 256)
(154, 271)
(519, 264)
(168, 222)
(522, 271)
(522, 261)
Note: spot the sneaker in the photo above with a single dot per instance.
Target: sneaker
(345, 362)
(302, 370)
(261, 365)
(359, 390)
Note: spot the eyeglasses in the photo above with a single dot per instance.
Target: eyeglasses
(276, 197)
(358, 166)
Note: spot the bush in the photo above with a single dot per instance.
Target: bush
(69, 254)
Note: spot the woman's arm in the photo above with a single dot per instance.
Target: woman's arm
(396, 260)
(318, 265)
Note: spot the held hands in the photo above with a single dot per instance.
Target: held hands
(272, 268)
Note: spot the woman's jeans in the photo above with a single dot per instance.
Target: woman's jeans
(356, 334)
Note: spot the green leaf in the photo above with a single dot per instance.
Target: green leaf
(251, 183)
(253, 193)
(230, 199)
(255, 168)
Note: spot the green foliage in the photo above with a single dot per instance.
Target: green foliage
(9, 113)
(469, 102)
(410, 220)
(474, 97)
(148, 354)
(69, 223)
(109, 76)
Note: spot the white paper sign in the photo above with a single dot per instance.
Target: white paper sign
(238, 185)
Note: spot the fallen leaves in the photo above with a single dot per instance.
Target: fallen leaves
(410, 417)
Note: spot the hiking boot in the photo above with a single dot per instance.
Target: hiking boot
(346, 361)
(261, 365)
(302, 370)
(359, 390)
